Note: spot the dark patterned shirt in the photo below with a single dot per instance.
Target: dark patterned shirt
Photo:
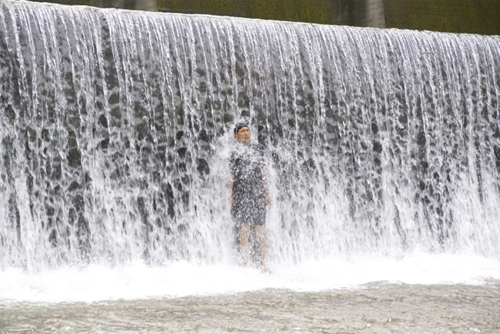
(246, 165)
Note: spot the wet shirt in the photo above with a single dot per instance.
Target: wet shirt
(246, 165)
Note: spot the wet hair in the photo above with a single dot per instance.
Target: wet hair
(239, 126)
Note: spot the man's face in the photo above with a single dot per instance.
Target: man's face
(244, 136)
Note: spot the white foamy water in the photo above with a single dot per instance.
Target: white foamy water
(181, 279)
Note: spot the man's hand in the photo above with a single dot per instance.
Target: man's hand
(268, 199)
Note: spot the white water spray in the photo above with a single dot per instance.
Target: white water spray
(116, 128)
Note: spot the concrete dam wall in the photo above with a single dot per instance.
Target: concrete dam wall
(457, 16)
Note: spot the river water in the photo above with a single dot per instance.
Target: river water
(372, 308)
(417, 294)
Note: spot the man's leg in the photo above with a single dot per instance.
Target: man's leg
(245, 243)
(260, 231)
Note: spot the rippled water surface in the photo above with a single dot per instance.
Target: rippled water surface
(373, 308)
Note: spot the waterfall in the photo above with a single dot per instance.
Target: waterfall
(116, 127)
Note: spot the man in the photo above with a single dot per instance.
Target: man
(249, 193)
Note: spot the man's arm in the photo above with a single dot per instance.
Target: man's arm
(266, 187)
(230, 186)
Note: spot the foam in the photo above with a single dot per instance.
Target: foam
(139, 281)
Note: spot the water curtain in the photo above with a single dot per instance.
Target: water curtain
(116, 127)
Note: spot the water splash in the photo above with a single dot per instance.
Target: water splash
(116, 128)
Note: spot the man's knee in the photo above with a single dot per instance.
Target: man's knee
(245, 228)
(260, 230)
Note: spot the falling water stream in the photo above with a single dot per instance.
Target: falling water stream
(382, 149)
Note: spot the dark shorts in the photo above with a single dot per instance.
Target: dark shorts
(252, 212)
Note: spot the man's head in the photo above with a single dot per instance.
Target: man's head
(242, 133)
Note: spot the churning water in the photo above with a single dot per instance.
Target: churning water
(382, 150)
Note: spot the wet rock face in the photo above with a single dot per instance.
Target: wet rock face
(117, 128)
